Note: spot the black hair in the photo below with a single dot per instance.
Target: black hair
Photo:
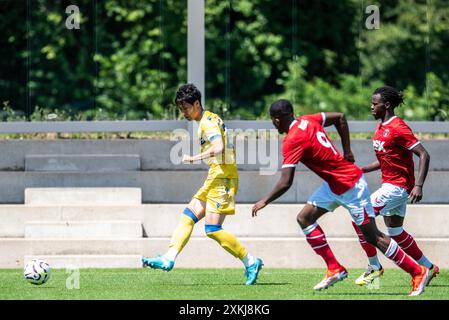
(187, 93)
(280, 108)
(390, 94)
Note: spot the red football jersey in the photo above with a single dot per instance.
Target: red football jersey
(306, 141)
(393, 142)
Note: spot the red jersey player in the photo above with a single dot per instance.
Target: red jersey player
(344, 185)
(394, 145)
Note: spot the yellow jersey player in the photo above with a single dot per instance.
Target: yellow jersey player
(216, 198)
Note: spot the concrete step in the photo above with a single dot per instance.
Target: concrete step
(83, 229)
(82, 162)
(83, 196)
(279, 220)
(159, 220)
(16, 216)
(179, 187)
(89, 261)
(206, 253)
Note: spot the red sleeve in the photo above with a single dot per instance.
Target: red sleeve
(405, 137)
(291, 153)
(319, 117)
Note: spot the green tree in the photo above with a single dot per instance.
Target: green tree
(129, 57)
(413, 40)
(60, 61)
(140, 65)
(13, 56)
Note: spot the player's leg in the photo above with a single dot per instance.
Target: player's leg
(357, 200)
(375, 269)
(194, 212)
(392, 202)
(318, 204)
(220, 203)
(389, 247)
(396, 231)
(229, 242)
(315, 236)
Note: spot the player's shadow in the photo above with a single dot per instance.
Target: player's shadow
(371, 293)
(439, 285)
(239, 284)
(273, 284)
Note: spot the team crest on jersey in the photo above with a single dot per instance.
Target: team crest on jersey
(386, 133)
(379, 145)
(202, 141)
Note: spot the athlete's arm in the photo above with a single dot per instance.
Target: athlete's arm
(424, 159)
(216, 147)
(338, 119)
(371, 167)
(284, 183)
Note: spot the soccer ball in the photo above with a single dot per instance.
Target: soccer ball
(37, 271)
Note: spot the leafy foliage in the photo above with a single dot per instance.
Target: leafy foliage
(129, 57)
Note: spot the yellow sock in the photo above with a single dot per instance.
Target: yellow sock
(227, 240)
(182, 233)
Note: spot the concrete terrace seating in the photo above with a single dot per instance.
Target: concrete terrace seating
(105, 203)
(41, 219)
(77, 235)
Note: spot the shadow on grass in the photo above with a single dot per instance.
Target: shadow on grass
(371, 293)
(273, 284)
(439, 286)
(240, 284)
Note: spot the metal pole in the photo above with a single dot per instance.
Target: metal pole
(196, 46)
(196, 58)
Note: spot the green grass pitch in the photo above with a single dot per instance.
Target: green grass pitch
(214, 284)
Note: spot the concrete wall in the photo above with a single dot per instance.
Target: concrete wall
(164, 182)
(155, 154)
(179, 187)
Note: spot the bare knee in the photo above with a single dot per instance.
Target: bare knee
(309, 215)
(304, 220)
(371, 238)
(198, 207)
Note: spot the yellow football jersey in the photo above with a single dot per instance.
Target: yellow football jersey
(222, 165)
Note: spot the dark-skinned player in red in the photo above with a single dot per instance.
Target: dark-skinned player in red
(394, 144)
(344, 185)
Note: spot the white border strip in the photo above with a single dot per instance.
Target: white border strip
(323, 115)
(414, 145)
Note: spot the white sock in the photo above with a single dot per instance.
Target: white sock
(171, 254)
(374, 261)
(425, 262)
(248, 260)
(392, 247)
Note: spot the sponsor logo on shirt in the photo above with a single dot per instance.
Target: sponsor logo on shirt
(378, 145)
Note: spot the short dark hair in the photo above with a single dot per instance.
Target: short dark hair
(390, 94)
(280, 108)
(187, 93)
